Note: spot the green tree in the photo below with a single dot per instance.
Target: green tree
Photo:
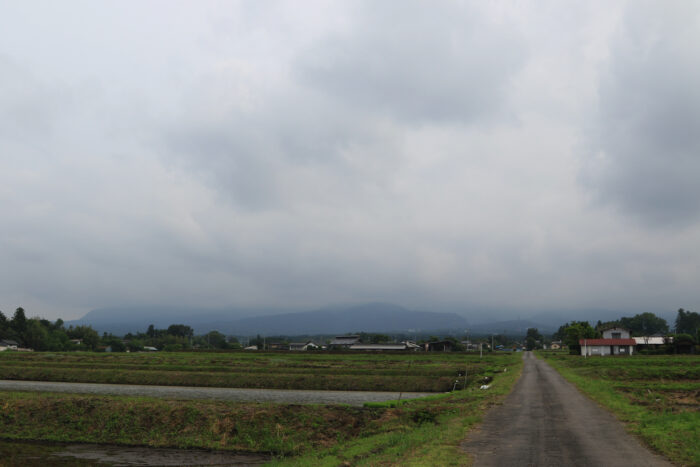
(58, 340)
(36, 336)
(576, 331)
(645, 324)
(216, 340)
(379, 339)
(4, 324)
(135, 345)
(88, 335)
(687, 322)
(180, 330)
(533, 339)
(19, 321)
(114, 344)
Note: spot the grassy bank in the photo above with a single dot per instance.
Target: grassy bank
(657, 397)
(420, 372)
(257, 427)
(411, 432)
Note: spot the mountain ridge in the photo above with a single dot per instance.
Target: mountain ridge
(336, 319)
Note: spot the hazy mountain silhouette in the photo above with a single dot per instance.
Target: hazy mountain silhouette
(369, 317)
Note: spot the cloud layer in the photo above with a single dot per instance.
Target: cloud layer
(460, 156)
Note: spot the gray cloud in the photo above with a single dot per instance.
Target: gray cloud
(414, 62)
(645, 143)
(349, 93)
(265, 154)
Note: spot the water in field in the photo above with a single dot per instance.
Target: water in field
(282, 396)
(32, 454)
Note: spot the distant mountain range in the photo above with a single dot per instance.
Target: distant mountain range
(368, 317)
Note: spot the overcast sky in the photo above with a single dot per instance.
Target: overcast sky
(516, 155)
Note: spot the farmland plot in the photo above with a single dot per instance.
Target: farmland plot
(424, 372)
(422, 431)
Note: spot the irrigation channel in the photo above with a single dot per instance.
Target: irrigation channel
(283, 396)
(33, 454)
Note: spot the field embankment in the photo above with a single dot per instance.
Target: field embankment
(657, 397)
(414, 372)
(417, 431)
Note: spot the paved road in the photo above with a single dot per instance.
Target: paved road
(546, 421)
(357, 398)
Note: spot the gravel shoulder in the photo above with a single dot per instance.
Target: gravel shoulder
(355, 398)
(546, 421)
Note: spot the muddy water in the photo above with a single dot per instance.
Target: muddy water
(30, 454)
(356, 398)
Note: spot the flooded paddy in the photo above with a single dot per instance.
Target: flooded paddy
(34, 454)
(285, 396)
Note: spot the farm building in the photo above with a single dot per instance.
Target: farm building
(615, 341)
(651, 342)
(439, 346)
(385, 347)
(309, 345)
(8, 344)
(343, 342)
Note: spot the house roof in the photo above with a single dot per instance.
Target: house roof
(344, 340)
(8, 342)
(610, 327)
(607, 342)
(379, 347)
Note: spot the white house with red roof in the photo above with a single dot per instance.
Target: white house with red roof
(615, 341)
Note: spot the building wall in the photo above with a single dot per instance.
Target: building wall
(608, 333)
(602, 350)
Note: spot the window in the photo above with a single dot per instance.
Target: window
(617, 335)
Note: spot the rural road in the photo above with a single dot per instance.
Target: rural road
(286, 396)
(546, 421)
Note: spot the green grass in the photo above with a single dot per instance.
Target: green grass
(657, 397)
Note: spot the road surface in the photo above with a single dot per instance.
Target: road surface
(546, 421)
(286, 396)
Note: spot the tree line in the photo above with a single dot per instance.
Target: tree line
(44, 335)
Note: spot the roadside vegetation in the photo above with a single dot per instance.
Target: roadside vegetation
(656, 396)
(414, 432)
